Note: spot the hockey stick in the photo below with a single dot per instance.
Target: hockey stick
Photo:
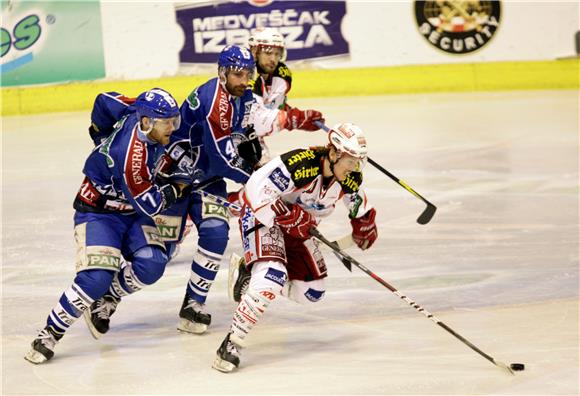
(518, 366)
(343, 243)
(429, 211)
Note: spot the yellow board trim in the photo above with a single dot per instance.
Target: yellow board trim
(494, 76)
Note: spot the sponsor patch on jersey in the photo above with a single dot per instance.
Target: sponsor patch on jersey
(276, 276)
(103, 257)
(168, 227)
(211, 209)
(279, 179)
(303, 155)
(314, 295)
(457, 27)
(351, 183)
(305, 172)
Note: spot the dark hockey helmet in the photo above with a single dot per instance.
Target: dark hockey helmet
(234, 57)
(157, 103)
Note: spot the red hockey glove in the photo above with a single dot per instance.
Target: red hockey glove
(298, 119)
(364, 230)
(293, 220)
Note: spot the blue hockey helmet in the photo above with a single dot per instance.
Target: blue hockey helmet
(237, 58)
(158, 104)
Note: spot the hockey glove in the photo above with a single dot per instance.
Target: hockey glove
(364, 230)
(293, 220)
(169, 194)
(250, 148)
(298, 119)
(177, 170)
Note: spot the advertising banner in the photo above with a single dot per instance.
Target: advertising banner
(311, 29)
(51, 41)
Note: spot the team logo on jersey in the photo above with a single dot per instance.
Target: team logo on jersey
(279, 179)
(355, 203)
(193, 101)
(458, 26)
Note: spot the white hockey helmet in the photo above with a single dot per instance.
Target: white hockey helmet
(349, 139)
(267, 37)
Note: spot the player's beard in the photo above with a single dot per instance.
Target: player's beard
(236, 90)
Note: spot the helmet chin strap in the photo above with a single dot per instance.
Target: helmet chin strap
(146, 132)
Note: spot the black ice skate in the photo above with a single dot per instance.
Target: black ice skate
(238, 277)
(98, 315)
(43, 346)
(228, 356)
(193, 318)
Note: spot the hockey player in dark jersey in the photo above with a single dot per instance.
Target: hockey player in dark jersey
(113, 219)
(281, 202)
(271, 86)
(212, 115)
(108, 108)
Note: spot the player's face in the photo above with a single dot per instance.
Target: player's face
(345, 165)
(237, 81)
(162, 129)
(269, 57)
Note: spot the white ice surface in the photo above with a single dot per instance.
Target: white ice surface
(498, 264)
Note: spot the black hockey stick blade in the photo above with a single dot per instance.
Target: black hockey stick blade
(427, 214)
(344, 261)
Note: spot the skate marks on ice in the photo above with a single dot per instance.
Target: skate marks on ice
(498, 263)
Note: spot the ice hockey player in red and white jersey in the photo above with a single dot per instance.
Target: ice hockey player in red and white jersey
(271, 114)
(281, 202)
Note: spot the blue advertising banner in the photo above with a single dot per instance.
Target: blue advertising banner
(311, 29)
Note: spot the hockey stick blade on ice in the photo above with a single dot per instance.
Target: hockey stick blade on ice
(429, 211)
(510, 369)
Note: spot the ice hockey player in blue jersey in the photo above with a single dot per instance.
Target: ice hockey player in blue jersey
(109, 107)
(113, 220)
(216, 135)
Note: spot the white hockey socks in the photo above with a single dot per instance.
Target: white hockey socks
(250, 309)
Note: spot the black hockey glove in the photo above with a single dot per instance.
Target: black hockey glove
(248, 145)
(169, 194)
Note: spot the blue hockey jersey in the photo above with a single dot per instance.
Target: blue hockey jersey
(108, 108)
(208, 118)
(120, 174)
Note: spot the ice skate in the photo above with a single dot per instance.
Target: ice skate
(43, 346)
(228, 356)
(238, 277)
(193, 318)
(99, 314)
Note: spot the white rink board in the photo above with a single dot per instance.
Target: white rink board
(380, 33)
(498, 263)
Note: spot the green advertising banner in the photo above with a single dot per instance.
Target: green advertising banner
(50, 41)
